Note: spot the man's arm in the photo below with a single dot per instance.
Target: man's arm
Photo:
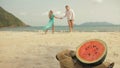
(64, 15)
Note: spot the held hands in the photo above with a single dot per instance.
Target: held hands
(60, 18)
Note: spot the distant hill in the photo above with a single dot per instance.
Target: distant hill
(97, 24)
(9, 20)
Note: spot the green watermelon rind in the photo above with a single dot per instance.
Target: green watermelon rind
(95, 62)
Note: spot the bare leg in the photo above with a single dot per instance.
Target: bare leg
(46, 31)
(70, 26)
(53, 28)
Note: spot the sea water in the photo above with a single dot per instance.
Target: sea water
(66, 28)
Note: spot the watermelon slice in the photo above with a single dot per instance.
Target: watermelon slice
(92, 52)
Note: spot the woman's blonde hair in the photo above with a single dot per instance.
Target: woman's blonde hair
(50, 13)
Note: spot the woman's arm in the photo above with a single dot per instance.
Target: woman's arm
(57, 17)
(61, 17)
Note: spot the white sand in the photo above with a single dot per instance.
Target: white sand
(36, 50)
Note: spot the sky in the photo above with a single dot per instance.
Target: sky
(35, 12)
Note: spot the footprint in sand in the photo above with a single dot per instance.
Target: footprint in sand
(115, 54)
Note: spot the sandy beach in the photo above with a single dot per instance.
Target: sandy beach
(37, 50)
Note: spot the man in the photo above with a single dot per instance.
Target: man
(70, 17)
(67, 60)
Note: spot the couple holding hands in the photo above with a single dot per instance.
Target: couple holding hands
(70, 18)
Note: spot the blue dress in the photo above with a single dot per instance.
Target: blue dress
(50, 23)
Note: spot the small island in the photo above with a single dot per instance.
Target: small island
(96, 24)
(9, 20)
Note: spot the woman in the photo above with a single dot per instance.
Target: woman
(50, 23)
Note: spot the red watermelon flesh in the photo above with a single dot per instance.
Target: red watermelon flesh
(91, 51)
